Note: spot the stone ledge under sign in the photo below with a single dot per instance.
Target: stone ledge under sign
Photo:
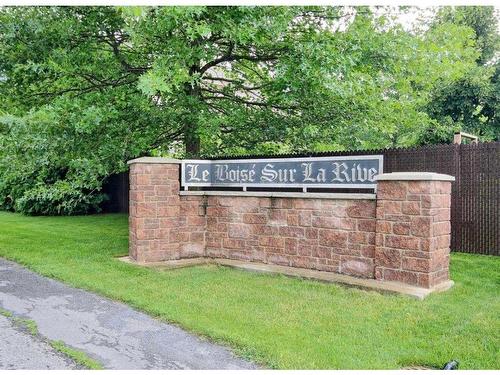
(153, 160)
(414, 176)
(279, 194)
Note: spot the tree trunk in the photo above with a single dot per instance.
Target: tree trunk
(192, 140)
(191, 137)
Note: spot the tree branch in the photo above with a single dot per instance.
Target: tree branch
(84, 90)
(229, 56)
(222, 96)
(114, 44)
(239, 83)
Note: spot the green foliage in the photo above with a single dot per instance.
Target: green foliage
(483, 20)
(470, 103)
(61, 198)
(83, 89)
(53, 161)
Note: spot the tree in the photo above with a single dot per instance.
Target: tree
(217, 73)
(472, 102)
(193, 81)
(187, 61)
(483, 20)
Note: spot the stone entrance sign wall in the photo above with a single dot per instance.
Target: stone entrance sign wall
(401, 233)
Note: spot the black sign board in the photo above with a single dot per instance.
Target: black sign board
(323, 172)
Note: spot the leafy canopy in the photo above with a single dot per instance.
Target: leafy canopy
(472, 102)
(83, 89)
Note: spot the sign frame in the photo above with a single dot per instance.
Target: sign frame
(186, 185)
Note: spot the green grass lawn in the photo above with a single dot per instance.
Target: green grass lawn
(277, 321)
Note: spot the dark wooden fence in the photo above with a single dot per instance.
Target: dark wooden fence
(475, 197)
(117, 189)
(475, 210)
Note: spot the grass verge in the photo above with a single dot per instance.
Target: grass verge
(79, 357)
(27, 324)
(277, 321)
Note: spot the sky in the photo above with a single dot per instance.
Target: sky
(415, 15)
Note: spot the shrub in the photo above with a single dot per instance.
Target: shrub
(53, 161)
(59, 199)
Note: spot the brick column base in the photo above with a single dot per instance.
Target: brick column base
(413, 228)
(162, 224)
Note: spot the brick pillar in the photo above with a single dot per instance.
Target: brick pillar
(413, 228)
(154, 209)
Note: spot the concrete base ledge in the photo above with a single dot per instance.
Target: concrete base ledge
(153, 160)
(414, 176)
(330, 277)
(272, 194)
(168, 264)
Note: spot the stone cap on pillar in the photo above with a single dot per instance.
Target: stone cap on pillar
(414, 176)
(153, 160)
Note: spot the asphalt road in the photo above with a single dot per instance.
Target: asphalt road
(19, 350)
(110, 332)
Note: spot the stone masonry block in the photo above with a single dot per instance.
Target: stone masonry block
(392, 190)
(416, 246)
